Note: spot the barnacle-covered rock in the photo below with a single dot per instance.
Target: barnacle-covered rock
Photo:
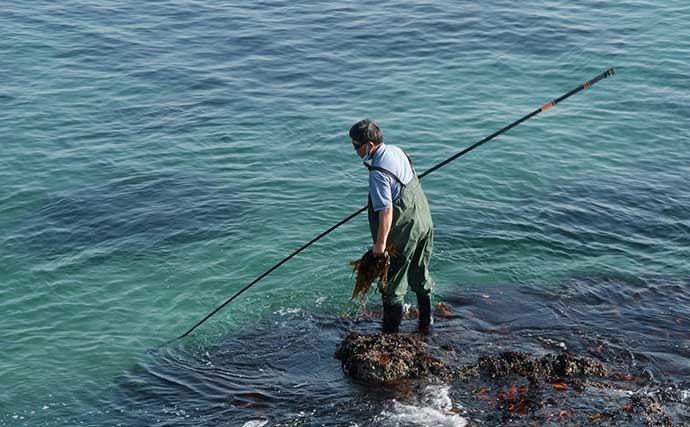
(548, 367)
(389, 357)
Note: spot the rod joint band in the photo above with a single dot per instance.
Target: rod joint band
(547, 106)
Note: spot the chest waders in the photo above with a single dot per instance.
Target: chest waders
(412, 235)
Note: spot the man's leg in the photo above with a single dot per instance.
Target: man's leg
(392, 316)
(420, 280)
(424, 306)
(394, 295)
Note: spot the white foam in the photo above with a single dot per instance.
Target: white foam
(287, 311)
(255, 423)
(435, 408)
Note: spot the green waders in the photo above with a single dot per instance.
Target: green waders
(412, 235)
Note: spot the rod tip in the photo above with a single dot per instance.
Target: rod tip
(611, 72)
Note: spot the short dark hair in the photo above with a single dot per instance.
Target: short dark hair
(366, 130)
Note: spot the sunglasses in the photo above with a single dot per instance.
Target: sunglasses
(357, 145)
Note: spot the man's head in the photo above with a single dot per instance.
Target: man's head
(365, 135)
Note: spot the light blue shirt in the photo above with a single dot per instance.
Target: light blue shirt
(383, 188)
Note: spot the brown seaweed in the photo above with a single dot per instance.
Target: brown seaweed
(368, 269)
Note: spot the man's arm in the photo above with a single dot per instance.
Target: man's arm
(385, 222)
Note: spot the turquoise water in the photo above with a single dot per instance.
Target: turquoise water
(157, 156)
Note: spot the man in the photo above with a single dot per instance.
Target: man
(398, 215)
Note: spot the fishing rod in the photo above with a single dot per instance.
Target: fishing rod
(586, 85)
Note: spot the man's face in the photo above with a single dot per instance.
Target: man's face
(360, 148)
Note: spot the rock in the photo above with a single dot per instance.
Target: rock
(521, 388)
(548, 367)
(385, 358)
(392, 357)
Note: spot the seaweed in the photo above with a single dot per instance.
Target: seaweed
(369, 268)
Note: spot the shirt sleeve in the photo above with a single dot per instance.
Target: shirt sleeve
(380, 190)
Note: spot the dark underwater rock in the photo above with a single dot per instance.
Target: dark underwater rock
(382, 358)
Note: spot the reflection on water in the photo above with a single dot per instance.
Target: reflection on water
(282, 371)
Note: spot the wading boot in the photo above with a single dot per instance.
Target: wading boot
(392, 315)
(424, 305)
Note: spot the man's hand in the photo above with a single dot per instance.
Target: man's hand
(379, 249)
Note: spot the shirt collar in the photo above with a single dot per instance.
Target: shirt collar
(369, 161)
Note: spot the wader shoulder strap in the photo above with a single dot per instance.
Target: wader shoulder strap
(386, 171)
(414, 171)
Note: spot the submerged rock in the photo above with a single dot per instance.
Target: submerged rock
(384, 358)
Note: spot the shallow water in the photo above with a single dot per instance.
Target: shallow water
(156, 157)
